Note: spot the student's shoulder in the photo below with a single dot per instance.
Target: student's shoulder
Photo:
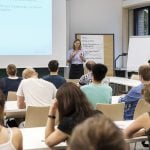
(17, 134)
(45, 77)
(85, 87)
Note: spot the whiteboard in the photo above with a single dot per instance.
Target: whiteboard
(93, 46)
(138, 52)
(100, 48)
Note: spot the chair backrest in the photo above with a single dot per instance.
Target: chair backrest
(36, 116)
(76, 81)
(11, 96)
(141, 108)
(113, 111)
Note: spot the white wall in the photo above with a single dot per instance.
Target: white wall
(135, 3)
(96, 16)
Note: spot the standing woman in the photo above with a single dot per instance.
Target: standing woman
(76, 59)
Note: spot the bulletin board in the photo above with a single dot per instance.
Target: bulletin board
(100, 48)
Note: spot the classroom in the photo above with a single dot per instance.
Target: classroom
(72, 71)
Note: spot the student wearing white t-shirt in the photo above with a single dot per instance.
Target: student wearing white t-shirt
(33, 91)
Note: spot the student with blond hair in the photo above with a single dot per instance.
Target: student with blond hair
(33, 91)
(134, 95)
(97, 134)
(143, 121)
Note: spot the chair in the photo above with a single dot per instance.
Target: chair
(36, 116)
(141, 108)
(113, 111)
(76, 81)
(11, 96)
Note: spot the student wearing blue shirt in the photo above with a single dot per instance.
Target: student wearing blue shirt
(54, 77)
(11, 82)
(133, 96)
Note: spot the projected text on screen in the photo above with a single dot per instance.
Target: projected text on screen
(25, 27)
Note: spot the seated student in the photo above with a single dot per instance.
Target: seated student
(73, 108)
(53, 77)
(97, 92)
(33, 91)
(143, 121)
(87, 78)
(11, 82)
(97, 134)
(10, 138)
(133, 96)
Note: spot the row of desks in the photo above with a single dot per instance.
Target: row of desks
(33, 138)
(124, 81)
(11, 106)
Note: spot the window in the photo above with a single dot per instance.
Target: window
(142, 21)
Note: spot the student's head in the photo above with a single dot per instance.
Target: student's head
(11, 70)
(53, 66)
(28, 73)
(77, 44)
(71, 100)
(89, 64)
(2, 104)
(97, 133)
(99, 72)
(146, 92)
(144, 72)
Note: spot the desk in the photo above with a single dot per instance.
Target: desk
(33, 139)
(124, 81)
(12, 110)
(120, 84)
(11, 106)
(125, 124)
(115, 99)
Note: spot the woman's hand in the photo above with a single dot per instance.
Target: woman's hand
(82, 57)
(73, 54)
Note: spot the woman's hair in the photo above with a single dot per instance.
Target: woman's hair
(11, 70)
(144, 72)
(28, 73)
(97, 133)
(2, 104)
(146, 92)
(76, 40)
(72, 101)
